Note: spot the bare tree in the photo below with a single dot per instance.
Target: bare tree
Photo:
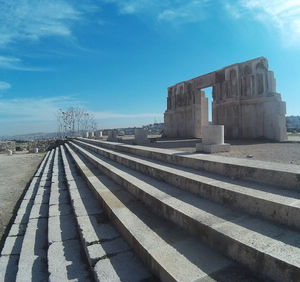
(79, 112)
(60, 126)
(75, 120)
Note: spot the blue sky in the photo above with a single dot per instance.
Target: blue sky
(116, 58)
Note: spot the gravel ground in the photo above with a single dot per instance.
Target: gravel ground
(288, 153)
(15, 172)
(272, 152)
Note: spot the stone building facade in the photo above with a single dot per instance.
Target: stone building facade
(245, 100)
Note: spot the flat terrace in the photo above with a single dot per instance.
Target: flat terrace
(285, 152)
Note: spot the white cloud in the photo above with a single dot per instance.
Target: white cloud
(190, 11)
(34, 19)
(13, 63)
(27, 115)
(4, 85)
(176, 11)
(233, 10)
(284, 15)
(137, 6)
(33, 109)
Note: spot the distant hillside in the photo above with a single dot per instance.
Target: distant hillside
(155, 128)
(293, 123)
(30, 136)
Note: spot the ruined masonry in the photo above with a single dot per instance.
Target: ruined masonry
(187, 112)
(245, 101)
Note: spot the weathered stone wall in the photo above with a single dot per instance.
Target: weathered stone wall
(244, 100)
(246, 103)
(187, 111)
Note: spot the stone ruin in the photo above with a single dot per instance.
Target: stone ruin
(245, 101)
(187, 111)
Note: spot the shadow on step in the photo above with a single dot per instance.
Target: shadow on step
(202, 256)
(245, 183)
(226, 214)
(215, 265)
(39, 266)
(272, 230)
(66, 236)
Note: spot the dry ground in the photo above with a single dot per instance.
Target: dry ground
(288, 153)
(273, 152)
(15, 172)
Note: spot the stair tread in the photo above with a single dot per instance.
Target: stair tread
(209, 158)
(33, 252)
(65, 259)
(165, 242)
(272, 239)
(99, 238)
(280, 195)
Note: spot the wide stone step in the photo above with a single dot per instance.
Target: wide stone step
(58, 220)
(32, 264)
(280, 205)
(65, 260)
(109, 256)
(10, 254)
(276, 174)
(259, 244)
(170, 252)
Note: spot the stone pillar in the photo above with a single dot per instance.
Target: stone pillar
(187, 111)
(212, 140)
(213, 134)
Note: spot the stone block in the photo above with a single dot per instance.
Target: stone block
(65, 262)
(140, 136)
(212, 140)
(98, 134)
(122, 267)
(213, 134)
(112, 136)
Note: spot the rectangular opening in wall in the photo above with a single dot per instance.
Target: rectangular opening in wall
(208, 94)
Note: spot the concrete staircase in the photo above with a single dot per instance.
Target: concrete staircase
(107, 211)
(61, 233)
(254, 223)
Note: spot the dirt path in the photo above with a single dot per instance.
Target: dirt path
(15, 172)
